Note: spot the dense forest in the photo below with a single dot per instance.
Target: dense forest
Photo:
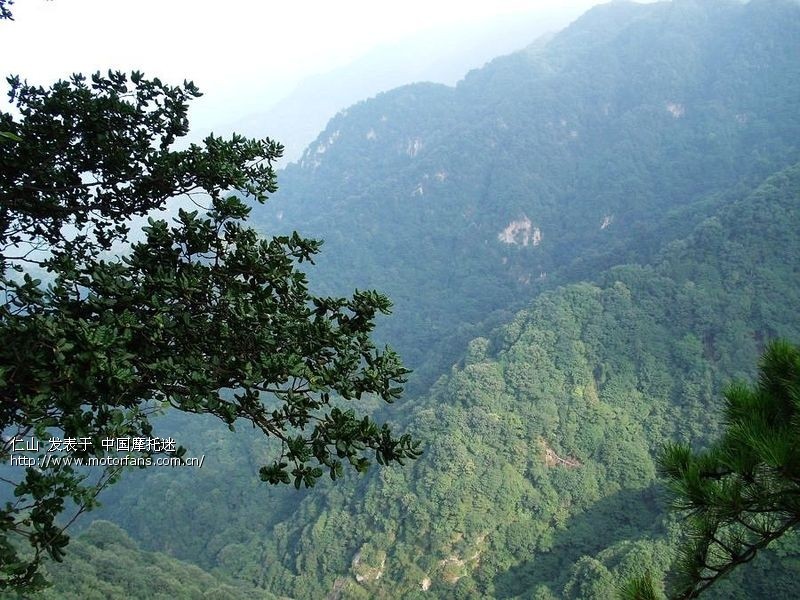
(105, 564)
(582, 152)
(585, 243)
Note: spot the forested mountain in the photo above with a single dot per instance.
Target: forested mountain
(599, 232)
(547, 165)
(441, 54)
(538, 472)
(106, 564)
(538, 476)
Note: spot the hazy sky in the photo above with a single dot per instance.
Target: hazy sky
(224, 48)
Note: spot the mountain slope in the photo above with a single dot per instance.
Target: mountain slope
(538, 472)
(548, 165)
(540, 444)
(526, 185)
(106, 564)
(442, 54)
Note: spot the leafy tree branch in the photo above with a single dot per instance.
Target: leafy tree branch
(203, 314)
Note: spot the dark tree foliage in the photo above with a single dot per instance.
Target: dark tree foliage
(201, 314)
(744, 491)
(5, 11)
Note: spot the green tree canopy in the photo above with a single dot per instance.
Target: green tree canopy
(99, 331)
(744, 491)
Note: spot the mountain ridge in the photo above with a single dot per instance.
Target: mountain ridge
(665, 258)
(569, 150)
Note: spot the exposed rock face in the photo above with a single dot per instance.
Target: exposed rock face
(677, 110)
(551, 459)
(521, 232)
(366, 573)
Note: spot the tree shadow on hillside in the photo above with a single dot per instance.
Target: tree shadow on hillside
(626, 515)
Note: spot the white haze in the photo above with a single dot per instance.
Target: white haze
(273, 68)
